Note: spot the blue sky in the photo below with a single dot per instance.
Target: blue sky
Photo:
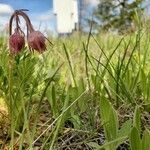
(40, 12)
(34, 5)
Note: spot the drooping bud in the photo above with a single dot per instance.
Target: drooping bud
(36, 41)
(16, 42)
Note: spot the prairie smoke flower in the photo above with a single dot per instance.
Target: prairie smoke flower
(36, 40)
(16, 42)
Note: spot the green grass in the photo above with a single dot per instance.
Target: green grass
(81, 88)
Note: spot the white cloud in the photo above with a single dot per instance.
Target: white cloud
(5, 12)
(43, 21)
(46, 16)
(5, 9)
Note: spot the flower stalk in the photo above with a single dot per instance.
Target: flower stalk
(35, 39)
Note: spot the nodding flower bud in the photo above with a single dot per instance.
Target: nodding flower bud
(36, 41)
(16, 42)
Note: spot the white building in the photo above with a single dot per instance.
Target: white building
(66, 12)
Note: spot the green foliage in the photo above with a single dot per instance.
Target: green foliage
(98, 83)
(145, 140)
(109, 121)
(135, 139)
(118, 15)
(136, 142)
(137, 119)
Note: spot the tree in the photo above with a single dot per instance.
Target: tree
(118, 15)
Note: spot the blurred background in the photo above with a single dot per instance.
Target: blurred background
(59, 17)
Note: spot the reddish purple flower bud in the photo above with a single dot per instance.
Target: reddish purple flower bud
(16, 42)
(36, 41)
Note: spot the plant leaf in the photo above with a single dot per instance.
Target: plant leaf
(146, 140)
(137, 119)
(125, 129)
(135, 141)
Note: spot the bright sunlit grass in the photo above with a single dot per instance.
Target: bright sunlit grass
(3, 105)
(79, 93)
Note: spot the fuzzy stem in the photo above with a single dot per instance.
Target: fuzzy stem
(28, 22)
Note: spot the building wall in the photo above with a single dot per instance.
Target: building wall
(66, 12)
